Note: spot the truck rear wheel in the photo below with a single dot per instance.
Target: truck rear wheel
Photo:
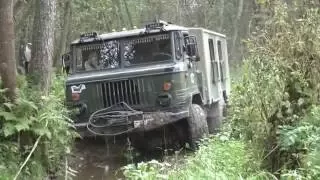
(214, 118)
(197, 125)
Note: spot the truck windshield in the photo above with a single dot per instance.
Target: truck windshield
(147, 49)
(102, 55)
(135, 50)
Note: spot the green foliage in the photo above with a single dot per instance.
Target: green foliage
(217, 158)
(146, 170)
(303, 140)
(31, 116)
(280, 84)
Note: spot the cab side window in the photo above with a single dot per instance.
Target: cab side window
(178, 50)
(221, 60)
(214, 64)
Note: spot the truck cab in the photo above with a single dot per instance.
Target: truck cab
(143, 79)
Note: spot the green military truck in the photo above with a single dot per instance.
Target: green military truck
(142, 80)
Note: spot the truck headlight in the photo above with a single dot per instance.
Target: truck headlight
(167, 86)
(75, 96)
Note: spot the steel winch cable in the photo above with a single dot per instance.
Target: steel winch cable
(117, 116)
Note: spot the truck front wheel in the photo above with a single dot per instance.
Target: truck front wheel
(197, 125)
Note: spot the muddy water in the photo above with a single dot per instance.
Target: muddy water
(94, 160)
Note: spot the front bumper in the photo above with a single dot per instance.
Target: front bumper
(121, 119)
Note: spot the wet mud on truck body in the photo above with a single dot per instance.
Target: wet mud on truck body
(140, 80)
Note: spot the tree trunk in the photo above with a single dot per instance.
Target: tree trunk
(236, 28)
(128, 13)
(66, 27)
(117, 10)
(221, 18)
(69, 33)
(179, 12)
(20, 17)
(18, 6)
(23, 32)
(42, 46)
(7, 48)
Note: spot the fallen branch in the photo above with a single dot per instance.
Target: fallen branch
(27, 159)
(66, 170)
(29, 156)
(271, 152)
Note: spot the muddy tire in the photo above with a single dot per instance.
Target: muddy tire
(214, 117)
(197, 125)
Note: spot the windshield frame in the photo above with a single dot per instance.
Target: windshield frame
(75, 48)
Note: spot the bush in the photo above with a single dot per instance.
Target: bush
(279, 86)
(303, 140)
(30, 118)
(217, 158)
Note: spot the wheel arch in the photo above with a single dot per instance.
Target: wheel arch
(197, 99)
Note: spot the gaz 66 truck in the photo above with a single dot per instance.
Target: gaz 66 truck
(142, 80)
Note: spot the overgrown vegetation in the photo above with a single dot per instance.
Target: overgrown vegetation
(217, 158)
(275, 114)
(207, 158)
(34, 121)
(279, 88)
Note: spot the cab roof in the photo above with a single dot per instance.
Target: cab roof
(207, 31)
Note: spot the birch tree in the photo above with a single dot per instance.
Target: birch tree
(236, 27)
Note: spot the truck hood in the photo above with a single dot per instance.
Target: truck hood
(115, 74)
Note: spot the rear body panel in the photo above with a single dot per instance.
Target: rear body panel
(214, 64)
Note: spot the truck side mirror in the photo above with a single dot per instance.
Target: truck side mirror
(66, 62)
(192, 48)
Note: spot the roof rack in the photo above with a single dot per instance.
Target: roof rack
(88, 35)
(158, 24)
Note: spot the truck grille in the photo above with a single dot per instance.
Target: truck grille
(128, 91)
